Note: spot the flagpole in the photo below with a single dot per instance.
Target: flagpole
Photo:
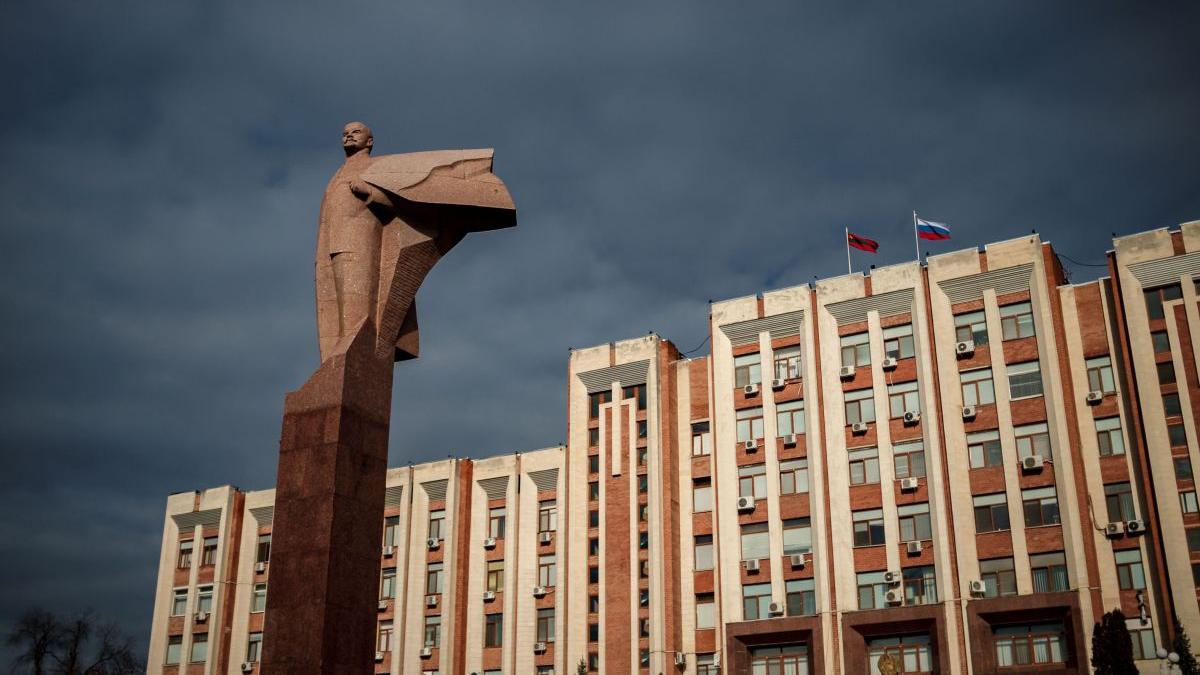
(916, 237)
(848, 269)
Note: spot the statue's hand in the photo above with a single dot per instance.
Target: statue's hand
(360, 189)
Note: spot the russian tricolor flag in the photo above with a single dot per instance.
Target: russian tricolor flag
(927, 229)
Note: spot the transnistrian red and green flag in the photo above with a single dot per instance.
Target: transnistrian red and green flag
(862, 243)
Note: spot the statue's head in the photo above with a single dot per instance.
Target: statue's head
(356, 137)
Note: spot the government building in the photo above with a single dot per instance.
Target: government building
(953, 466)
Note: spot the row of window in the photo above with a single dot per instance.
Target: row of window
(599, 398)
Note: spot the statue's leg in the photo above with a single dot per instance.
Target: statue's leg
(354, 279)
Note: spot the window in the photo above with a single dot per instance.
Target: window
(1130, 575)
(593, 490)
(1109, 438)
(637, 391)
(593, 546)
(547, 516)
(258, 598)
(1100, 375)
(787, 363)
(701, 495)
(210, 552)
(872, 590)
(898, 342)
(174, 650)
(856, 350)
(179, 599)
(1171, 405)
(185, 554)
(387, 583)
(391, 530)
(1119, 499)
(909, 459)
(593, 463)
(706, 664)
(593, 518)
(1155, 297)
(1161, 341)
(756, 599)
(903, 398)
(495, 576)
(436, 520)
(199, 648)
(547, 570)
(909, 653)
(999, 577)
(593, 437)
(644, 598)
(593, 604)
(595, 400)
(1024, 380)
(593, 574)
(1187, 501)
(643, 483)
(991, 513)
(797, 536)
(593, 662)
(747, 369)
(263, 553)
(749, 424)
(983, 447)
(1183, 468)
(496, 522)
(793, 476)
(1033, 439)
(643, 513)
(1049, 571)
(704, 552)
(752, 481)
(1166, 372)
(643, 431)
(971, 327)
(1040, 506)
(860, 406)
(868, 527)
(706, 611)
(493, 630)
(914, 522)
(545, 625)
(977, 387)
(789, 418)
(433, 578)
(1177, 435)
(254, 648)
(593, 632)
(920, 585)
(756, 542)
(433, 631)
(1032, 644)
(864, 466)
(701, 439)
(1144, 646)
(1016, 321)
(204, 599)
(384, 639)
(801, 597)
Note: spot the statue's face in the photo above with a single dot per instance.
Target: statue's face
(356, 136)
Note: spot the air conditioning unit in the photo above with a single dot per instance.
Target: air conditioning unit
(913, 547)
(259, 568)
(383, 604)
(545, 537)
(750, 445)
(426, 652)
(775, 609)
(911, 417)
(389, 551)
(778, 383)
(978, 587)
(680, 660)
(889, 362)
(378, 657)
(797, 560)
(846, 372)
(1032, 462)
(858, 428)
(489, 542)
(433, 543)
(431, 600)
(247, 667)
(894, 596)
(1135, 526)
(1114, 529)
(968, 412)
(539, 591)
(789, 440)
(1094, 396)
(489, 596)
(752, 565)
(750, 389)
(201, 617)
(539, 647)
(892, 577)
(909, 484)
(965, 348)
(745, 504)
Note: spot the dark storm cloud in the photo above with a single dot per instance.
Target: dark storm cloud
(162, 165)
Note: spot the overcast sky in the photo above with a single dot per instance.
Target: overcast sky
(163, 162)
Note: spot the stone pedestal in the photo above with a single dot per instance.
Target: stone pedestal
(321, 602)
